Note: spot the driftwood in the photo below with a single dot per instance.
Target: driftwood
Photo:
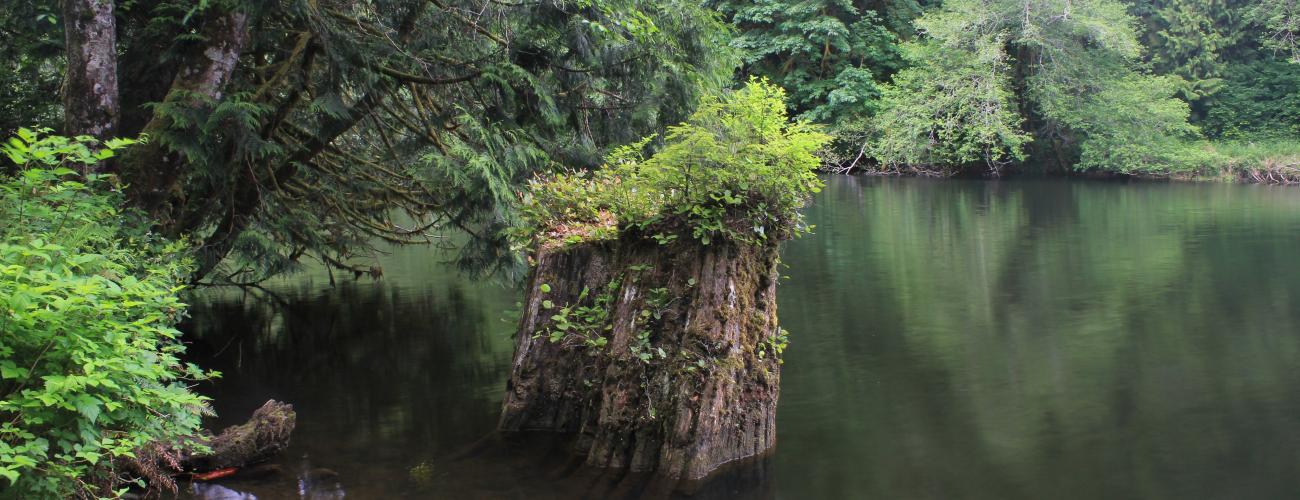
(265, 434)
(1273, 172)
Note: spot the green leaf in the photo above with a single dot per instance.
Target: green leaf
(10, 370)
(10, 474)
(88, 407)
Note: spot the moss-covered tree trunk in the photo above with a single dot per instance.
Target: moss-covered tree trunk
(668, 363)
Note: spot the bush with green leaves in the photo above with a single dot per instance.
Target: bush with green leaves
(89, 354)
(738, 169)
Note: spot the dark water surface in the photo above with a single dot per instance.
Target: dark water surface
(1035, 339)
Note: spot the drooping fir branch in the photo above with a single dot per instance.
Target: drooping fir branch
(324, 121)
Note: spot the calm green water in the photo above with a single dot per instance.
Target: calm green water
(950, 339)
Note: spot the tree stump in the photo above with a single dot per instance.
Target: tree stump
(659, 358)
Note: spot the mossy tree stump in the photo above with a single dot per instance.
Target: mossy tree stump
(687, 375)
(649, 327)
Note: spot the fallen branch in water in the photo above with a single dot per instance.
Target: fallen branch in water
(264, 435)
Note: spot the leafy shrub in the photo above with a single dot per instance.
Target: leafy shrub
(89, 368)
(737, 169)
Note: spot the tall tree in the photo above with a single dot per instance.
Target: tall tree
(830, 55)
(1198, 40)
(1281, 19)
(814, 48)
(1063, 68)
(90, 101)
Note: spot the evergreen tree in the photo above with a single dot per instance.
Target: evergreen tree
(283, 130)
(1281, 19)
(1198, 40)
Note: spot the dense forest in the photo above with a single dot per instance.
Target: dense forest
(156, 144)
(1163, 88)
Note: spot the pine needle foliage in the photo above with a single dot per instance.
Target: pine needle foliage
(346, 123)
(832, 56)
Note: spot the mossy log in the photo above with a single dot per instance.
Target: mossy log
(687, 376)
(264, 435)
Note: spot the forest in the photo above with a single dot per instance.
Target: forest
(154, 148)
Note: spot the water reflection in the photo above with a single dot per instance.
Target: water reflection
(383, 377)
(950, 339)
(1042, 339)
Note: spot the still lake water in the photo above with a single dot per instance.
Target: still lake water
(1035, 339)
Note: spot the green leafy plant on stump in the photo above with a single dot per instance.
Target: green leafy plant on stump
(738, 169)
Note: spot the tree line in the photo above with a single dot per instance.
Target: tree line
(1184, 88)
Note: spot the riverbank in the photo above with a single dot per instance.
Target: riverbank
(1257, 161)
(1271, 161)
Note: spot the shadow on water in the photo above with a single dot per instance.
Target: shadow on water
(397, 391)
(950, 339)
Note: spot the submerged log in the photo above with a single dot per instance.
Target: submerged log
(660, 359)
(264, 435)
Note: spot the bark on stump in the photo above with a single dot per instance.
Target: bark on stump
(706, 314)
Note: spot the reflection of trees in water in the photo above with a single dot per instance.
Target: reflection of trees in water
(374, 357)
(382, 377)
(949, 339)
(398, 392)
(1042, 339)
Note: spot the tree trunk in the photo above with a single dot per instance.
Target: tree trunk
(90, 99)
(687, 376)
(155, 174)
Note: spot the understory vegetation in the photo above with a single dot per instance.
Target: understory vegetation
(90, 369)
